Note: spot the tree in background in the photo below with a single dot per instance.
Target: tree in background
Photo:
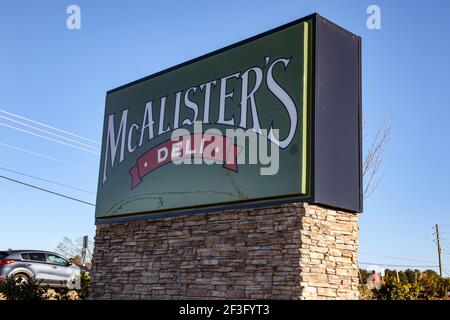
(72, 249)
(406, 285)
(374, 157)
(363, 276)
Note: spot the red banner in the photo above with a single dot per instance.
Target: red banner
(204, 146)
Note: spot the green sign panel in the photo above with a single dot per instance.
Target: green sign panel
(225, 129)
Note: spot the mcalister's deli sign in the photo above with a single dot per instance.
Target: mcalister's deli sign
(259, 86)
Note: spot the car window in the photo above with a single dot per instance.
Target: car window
(34, 256)
(57, 260)
(2, 255)
(25, 256)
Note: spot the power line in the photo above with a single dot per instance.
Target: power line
(396, 258)
(48, 138)
(49, 132)
(446, 242)
(447, 271)
(396, 265)
(50, 127)
(48, 191)
(45, 157)
(46, 180)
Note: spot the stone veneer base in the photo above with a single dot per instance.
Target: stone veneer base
(293, 251)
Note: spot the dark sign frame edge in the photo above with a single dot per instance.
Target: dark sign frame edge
(313, 18)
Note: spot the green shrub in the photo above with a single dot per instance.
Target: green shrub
(433, 286)
(13, 289)
(392, 289)
(426, 285)
(85, 283)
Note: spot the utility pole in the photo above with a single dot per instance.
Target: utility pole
(439, 249)
(361, 279)
(84, 250)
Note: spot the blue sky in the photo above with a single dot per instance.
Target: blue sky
(59, 76)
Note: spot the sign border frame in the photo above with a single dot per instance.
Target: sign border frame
(313, 21)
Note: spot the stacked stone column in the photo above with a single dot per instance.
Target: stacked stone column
(293, 251)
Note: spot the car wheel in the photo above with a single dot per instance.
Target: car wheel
(21, 278)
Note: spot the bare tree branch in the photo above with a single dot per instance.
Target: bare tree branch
(374, 157)
(73, 248)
